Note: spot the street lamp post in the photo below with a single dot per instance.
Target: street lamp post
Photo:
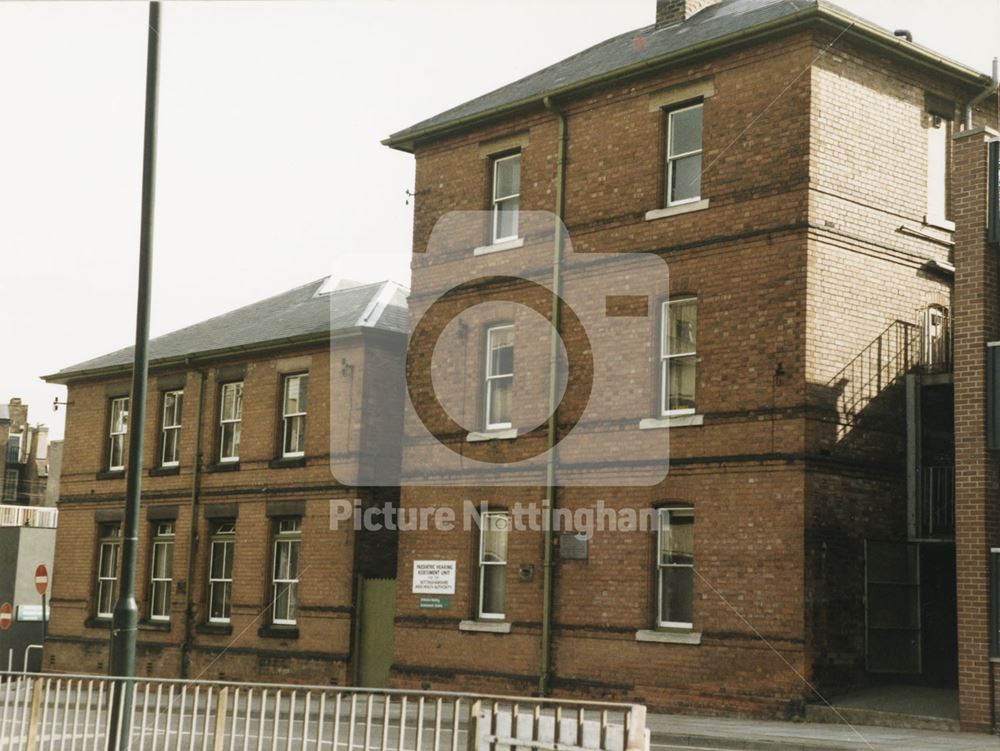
(126, 614)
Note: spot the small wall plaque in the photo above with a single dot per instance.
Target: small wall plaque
(573, 547)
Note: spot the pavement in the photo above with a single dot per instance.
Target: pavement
(687, 732)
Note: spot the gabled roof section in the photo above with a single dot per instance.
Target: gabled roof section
(323, 307)
(641, 50)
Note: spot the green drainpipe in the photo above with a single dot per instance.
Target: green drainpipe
(550, 470)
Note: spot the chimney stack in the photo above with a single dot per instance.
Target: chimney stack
(669, 12)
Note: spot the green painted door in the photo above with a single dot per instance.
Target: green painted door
(377, 600)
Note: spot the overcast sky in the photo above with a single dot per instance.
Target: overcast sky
(270, 171)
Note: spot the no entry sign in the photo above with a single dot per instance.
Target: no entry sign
(6, 616)
(41, 579)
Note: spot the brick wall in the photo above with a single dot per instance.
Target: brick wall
(977, 520)
(319, 649)
(814, 243)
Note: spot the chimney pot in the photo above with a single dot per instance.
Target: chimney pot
(670, 12)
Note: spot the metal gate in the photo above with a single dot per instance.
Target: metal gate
(376, 613)
(73, 712)
(892, 607)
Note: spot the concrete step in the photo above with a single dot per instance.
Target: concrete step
(856, 716)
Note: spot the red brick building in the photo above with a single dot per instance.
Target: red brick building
(255, 421)
(790, 163)
(976, 403)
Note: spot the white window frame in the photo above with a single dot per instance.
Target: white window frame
(672, 158)
(660, 566)
(171, 427)
(288, 419)
(223, 543)
(666, 356)
(483, 564)
(110, 538)
(491, 377)
(163, 545)
(499, 199)
(117, 431)
(233, 423)
(288, 531)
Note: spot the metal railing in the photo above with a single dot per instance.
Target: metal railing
(937, 507)
(877, 367)
(29, 516)
(41, 712)
(902, 348)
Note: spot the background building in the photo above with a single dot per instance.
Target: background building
(250, 416)
(27, 532)
(24, 456)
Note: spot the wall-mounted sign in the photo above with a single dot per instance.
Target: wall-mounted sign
(428, 602)
(31, 613)
(434, 577)
(994, 218)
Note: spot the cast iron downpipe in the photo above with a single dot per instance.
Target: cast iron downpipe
(967, 118)
(193, 537)
(553, 426)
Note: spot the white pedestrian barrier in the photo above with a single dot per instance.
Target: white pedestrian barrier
(59, 712)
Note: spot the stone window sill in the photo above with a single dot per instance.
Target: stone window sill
(684, 208)
(287, 462)
(486, 627)
(278, 632)
(164, 471)
(218, 629)
(483, 250)
(939, 223)
(675, 421)
(691, 638)
(111, 474)
(94, 622)
(507, 434)
(154, 625)
(223, 467)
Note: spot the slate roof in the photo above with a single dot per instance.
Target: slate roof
(323, 306)
(636, 50)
